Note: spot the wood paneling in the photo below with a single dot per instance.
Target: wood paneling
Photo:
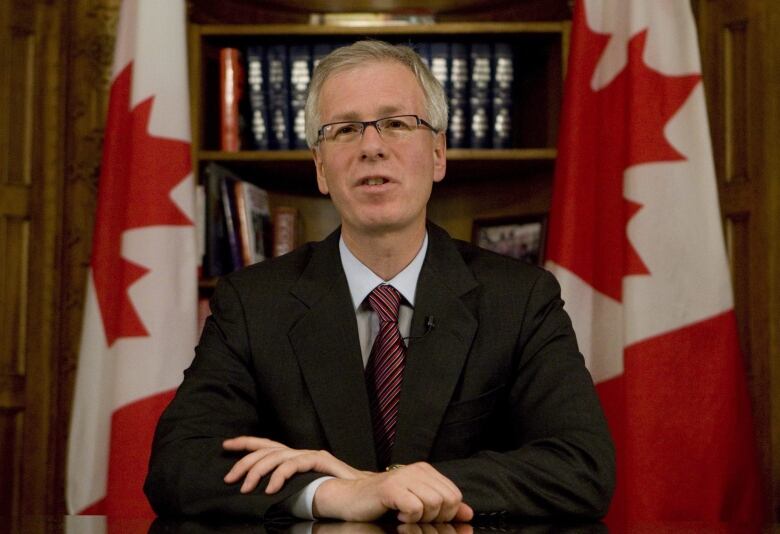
(740, 40)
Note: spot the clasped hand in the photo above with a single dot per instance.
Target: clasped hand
(417, 491)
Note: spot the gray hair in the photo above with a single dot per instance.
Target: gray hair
(357, 54)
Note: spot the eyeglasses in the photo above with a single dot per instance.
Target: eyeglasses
(389, 128)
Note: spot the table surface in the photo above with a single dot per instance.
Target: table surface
(112, 525)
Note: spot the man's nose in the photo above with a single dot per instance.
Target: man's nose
(371, 143)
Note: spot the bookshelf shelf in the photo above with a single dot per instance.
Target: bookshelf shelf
(445, 28)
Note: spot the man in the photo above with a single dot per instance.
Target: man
(387, 345)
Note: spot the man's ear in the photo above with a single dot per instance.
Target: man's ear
(322, 184)
(439, 156)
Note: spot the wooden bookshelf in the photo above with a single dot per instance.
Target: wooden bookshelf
(479, 183)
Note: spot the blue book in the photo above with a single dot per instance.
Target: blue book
(320, 51)
(440, 65)
(502, 88)
(479, 96)
(458, 92)
(257, 92)
(300, 76)
(424, 51)
(278, 97)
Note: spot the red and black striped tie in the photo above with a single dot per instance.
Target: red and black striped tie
(385, 369)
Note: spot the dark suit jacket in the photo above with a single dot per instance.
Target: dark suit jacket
(496, 396)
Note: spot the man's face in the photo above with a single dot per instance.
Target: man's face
(378, 185)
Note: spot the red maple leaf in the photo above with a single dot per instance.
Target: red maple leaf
(605, 132)
(137, 175)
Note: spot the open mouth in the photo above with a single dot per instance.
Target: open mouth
(373, 180)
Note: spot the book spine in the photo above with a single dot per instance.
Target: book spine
(230, 89)
(300, 75)
(285, 224)
(502, 87)
(479, 96)
(216, 257)
(243, 224)
(257, 92)
(439, 62)
(459, 85)
(231, 220)
(278, 97)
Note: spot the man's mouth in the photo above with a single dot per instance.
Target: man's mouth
(373, 180)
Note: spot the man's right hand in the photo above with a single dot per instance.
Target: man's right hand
(418, 492)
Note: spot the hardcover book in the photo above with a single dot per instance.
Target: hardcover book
(231, 87)
(502, 87)
(254, 221)
(256, 85)
(479, 96)
(278, 97)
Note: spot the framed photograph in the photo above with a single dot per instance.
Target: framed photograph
(520, 237)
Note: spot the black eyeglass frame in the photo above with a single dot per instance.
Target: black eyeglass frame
(366, 124)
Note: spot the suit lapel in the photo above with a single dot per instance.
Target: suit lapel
(325, 340)
(434, 359)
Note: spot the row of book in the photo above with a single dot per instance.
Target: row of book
(263, 91)
(239, 226)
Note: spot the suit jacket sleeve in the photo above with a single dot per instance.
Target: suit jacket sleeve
(217, 400)
(562, 463)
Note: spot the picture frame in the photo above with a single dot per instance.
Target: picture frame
(522, 237)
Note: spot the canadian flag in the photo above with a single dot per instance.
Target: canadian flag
(636, 242)
(140, 314)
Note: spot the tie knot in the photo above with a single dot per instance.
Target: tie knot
(385, 301)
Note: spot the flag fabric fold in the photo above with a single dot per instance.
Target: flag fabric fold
(140, 313)
(635, 239)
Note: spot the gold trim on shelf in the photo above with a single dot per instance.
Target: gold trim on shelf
(396, 29)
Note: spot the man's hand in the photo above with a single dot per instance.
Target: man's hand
(268, 455)
(418, 492)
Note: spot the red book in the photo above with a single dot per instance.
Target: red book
(231, 83)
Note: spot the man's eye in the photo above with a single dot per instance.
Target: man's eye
(396, 124)
(346, 129)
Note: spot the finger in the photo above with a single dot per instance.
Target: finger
(409, 528)
(464, 513)
(319, 461)
(410, 507)
(250, 443)
(242, 466)
(434, 503)
(265, 465)
(286, 469)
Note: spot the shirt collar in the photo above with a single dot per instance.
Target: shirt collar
(362, 280)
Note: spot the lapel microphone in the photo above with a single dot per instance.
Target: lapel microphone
(430, 324)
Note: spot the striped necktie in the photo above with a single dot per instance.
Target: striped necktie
(385, 369)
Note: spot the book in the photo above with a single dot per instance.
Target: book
(502, 88)
(217, 258)
(286, 229)
(231, 84)
(479, 96)
(459, 85)
(231, 219)
(319, 51)
(256, 86)
(439, 63)
(278, 97)
(254, 221)
(300, 76)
